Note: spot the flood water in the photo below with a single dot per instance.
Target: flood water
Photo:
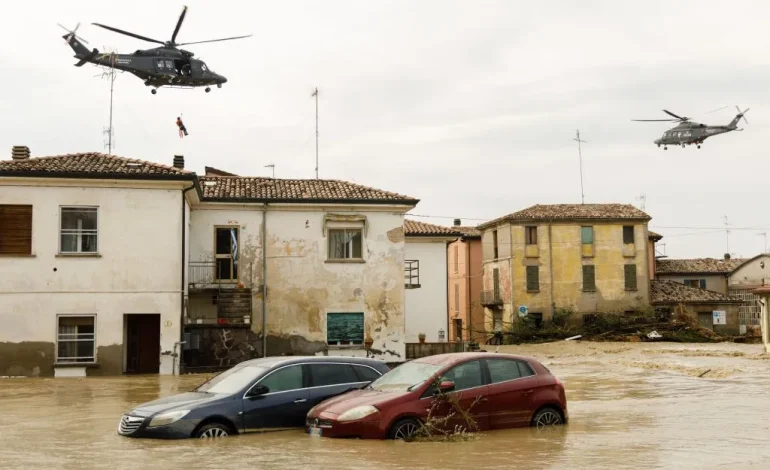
(631, 405)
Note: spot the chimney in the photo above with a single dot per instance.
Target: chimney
(727, 255)
(179, 161)
(458, 222)
(20, 152)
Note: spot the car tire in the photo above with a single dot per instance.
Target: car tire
(548, 416)
(213, 430)
(404, 428)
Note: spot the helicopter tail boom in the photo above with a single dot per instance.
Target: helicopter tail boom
(81, 52)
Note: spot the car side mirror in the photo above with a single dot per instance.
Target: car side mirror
(446, 386)
(257, 391)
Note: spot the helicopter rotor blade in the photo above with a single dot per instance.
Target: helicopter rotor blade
(214, 40)
(653, 120)
(678, 117)
(73, 32)
(179, 24)
(127, 33)
(715, 110)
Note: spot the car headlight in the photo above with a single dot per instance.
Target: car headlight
(166, 418)
(358, 412)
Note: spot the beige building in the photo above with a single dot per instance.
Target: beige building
(589, 257)
(467, 322)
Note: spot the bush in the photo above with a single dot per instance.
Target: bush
(444, 408)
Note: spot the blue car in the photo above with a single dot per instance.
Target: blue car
(265, 394)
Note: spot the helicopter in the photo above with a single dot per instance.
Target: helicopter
(689, 132)
(166, 65)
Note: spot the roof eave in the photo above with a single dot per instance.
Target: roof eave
(246, 200)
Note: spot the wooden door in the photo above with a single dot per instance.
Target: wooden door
(143, 343)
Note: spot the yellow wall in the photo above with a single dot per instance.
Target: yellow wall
(608, 255)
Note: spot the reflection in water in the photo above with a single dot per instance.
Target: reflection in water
(631, 406)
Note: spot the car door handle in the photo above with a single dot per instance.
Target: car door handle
(300, 400)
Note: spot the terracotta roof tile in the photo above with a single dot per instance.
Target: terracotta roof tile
(573, 212)
(211, 171)
(653, 235)
(470, 232)
(414, 228)
(93, 163)
(672, 292)
(225, 188)
(697, 266)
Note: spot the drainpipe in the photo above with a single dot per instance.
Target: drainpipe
(264, 280)
(510, 268)
(448, 304)
(550, 268)
(467, 279)
(184, 278)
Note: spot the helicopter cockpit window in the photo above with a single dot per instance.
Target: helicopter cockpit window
(204, 68)
(160, 64)
(169, 64)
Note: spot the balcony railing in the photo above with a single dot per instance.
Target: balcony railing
(491, 297)
(204, 274)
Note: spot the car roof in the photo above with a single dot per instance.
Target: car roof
(273, 361)
(451, 358)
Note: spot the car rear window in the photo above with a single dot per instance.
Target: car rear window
(366, 374)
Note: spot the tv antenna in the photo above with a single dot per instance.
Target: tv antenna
(109, 73)
(315, 93)
(272, 165)
(764, 234)
(642, 197)
(580, 154)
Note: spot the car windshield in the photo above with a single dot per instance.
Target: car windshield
(405, 377)
(232, 380)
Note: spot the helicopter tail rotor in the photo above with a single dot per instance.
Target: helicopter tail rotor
(742, 114)
(73, 34)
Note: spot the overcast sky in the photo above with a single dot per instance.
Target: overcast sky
(470, 106)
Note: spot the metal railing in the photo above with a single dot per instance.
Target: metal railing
(204, 273)
(491, 297)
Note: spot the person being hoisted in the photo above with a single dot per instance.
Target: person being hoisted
(180, 125)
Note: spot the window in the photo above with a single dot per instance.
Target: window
(533, 278)
(332, 374)
(589, 278)
(79, 230)
(366, 374)
(467, 375)
(525, 369)
(494, 244)
(587, 235)
(458, 324)
(628, 234)
(496, 283)
(457, 298)
(344, 329)
(226, 244)
(345, 243)
(501, 370)
(457, 257)
(698, 283)
(630, 275)
(284, 379)
(530, 235)
(232, 380)
(76, 337)
(15, 229)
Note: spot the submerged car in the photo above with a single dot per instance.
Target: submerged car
(257, 395)
(513, 391)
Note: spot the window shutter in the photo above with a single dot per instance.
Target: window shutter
(702, 283)
(15, 229)
(532, 278)
(628, 234)
(589, 277)
(344, 327)
(496, 282)
(630, 272)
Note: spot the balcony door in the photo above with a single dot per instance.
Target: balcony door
(226, 250)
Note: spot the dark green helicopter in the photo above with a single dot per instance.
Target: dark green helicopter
(166, 66)
(690, 132)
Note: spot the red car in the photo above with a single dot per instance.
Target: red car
(515, 391)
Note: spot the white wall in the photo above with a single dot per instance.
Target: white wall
(303, 286)
(138, 269)
(426, 307)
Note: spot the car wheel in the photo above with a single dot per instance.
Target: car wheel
(547, 417)
(404, 428)
(213, 430)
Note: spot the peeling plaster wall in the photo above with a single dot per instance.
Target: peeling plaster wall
(426, 307)
(138, 270)
(751, 273)
(302, 286)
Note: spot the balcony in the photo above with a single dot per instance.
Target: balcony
(226, 308)
(213, 275)
(491, 297)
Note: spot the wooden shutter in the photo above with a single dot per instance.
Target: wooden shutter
(15, 229)
(628, 234)
(589, 277)
(533, 275)
(702, 283)
(496, 283)
(630, 272)
(345, 327)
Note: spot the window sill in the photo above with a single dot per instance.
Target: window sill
(346, 346)
(589, 291)
(631, 290)
(78, 255)
(530, 291)
(345, 261)
(20, 255)
(90, 365)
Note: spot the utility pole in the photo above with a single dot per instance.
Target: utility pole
(110, 74)
(580, 154)
(764, 234)
(727, 235)
(272, 165)
(315, 93)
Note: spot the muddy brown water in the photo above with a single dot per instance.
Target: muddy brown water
(631, 405)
